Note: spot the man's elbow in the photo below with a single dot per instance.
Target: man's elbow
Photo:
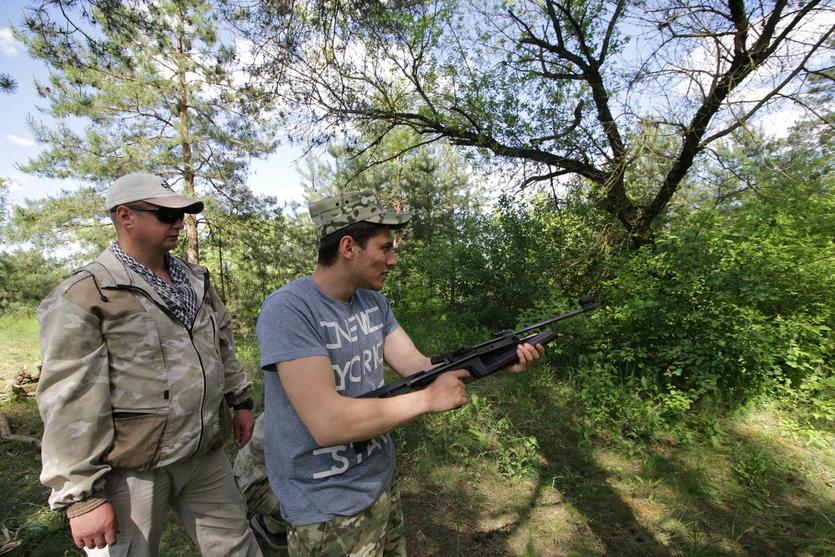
(331, 421)
(329, 429)
(327, 437)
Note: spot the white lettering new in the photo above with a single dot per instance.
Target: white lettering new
(337, 342)
(338, 334)
(364, 321)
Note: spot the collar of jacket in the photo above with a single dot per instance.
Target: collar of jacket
(109, 272)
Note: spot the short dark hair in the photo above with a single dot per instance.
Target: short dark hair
(360, 231)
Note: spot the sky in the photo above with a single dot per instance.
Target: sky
(276, 176)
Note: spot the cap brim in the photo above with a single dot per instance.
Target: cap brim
(187, 204)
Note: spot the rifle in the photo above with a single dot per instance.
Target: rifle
(482, 359)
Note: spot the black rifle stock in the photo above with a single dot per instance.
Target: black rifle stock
(482, 359)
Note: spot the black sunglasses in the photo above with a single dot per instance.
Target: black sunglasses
(165, 215)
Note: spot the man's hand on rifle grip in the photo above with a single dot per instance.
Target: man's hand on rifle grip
(447, 391)
(526, 356)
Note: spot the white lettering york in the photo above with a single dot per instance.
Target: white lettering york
(342, 372)
(367, 356)
(378, 354)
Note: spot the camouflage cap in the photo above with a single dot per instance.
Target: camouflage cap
(335, 213)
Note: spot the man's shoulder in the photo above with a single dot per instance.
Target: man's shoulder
(80, 282)
(297, 289)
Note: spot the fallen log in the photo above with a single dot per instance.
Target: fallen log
(7, 435)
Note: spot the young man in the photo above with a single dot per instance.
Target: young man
(323, 342)
(138, 366)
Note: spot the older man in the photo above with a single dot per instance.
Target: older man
(138, 369)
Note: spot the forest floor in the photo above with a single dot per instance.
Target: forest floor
(756, 484)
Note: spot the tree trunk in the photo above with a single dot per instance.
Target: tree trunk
(193, 246)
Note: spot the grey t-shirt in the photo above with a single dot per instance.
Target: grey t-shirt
(313, 483)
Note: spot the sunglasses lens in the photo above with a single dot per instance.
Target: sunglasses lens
(169, 216)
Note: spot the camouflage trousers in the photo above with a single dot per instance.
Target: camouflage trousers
(260, 499)
(378, 531)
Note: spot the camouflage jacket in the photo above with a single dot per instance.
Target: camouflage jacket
(250, 467)
(124, 384)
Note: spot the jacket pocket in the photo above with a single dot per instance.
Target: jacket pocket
(224, 426)
(138, 368)
(136, 439)
(215, 335)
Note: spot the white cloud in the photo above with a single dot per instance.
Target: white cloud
(8, 44)
(22, 141)
(777, 125)
(15, 187)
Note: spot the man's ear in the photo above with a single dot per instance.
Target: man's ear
(347, 247)
(122, 217)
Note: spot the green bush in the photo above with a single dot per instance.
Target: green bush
(726, 308)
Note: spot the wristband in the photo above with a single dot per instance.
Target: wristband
(244, 405)
(83, 507)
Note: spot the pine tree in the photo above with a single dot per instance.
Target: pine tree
(8, 84)
(155, 89)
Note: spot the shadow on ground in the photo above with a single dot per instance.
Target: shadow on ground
(746, 497)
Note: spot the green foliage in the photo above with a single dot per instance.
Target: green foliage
(493, 268)
(727, 308)
(730, 304)
(253, 248)
(26, 277)
(8, 84)
(4, 201)
(155, 87)
(19, 341)
(478, 431)
(432, 181)
(147, 87)
(809, 409)
(752, 470)
(546, 88)
(71, 224)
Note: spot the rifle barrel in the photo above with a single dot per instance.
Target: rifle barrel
(566, 315)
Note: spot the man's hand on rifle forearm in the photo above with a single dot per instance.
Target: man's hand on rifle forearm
(527, 356)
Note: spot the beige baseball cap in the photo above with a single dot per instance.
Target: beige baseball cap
(151, 189)
(335, 213)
